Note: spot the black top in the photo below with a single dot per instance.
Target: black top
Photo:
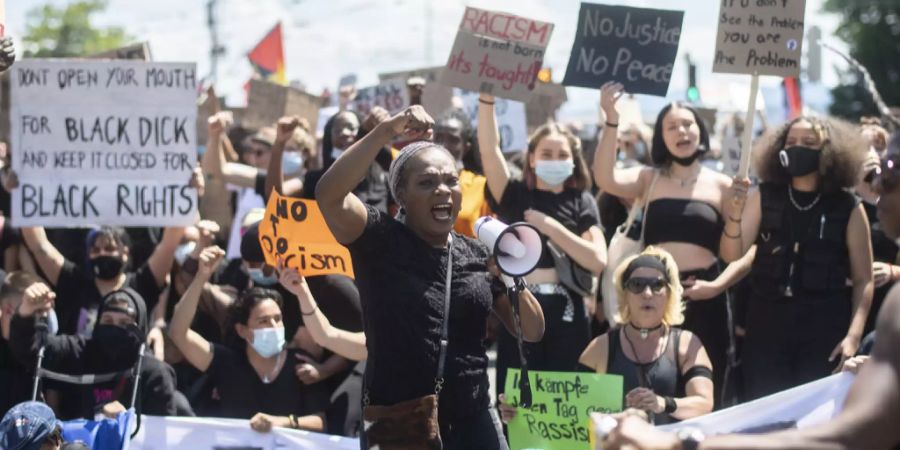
(244, 394)
(77, 355)
(884, 248)
(683, 220)
(401, 281)
(662, 375)
(372, 190)
(576, 210)
(77, 296)
(15, 383)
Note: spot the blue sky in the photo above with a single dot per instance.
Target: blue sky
(325, 39)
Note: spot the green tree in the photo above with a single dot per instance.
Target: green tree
(58, 32)
(871, 28)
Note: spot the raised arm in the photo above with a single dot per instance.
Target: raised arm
(197, 350)
(625, 183)
(344, 213)
(49, 259)
(274, 174)
(160, 261)
(345, 343)
(495, 168)
(743, 214)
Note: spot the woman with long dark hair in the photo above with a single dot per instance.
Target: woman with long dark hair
(684, 216)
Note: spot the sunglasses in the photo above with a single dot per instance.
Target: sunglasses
(887, 180)
(637, 285)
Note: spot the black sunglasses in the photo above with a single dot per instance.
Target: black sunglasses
(637, 285)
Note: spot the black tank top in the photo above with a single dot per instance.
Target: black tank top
(663, 374)
(683, 220)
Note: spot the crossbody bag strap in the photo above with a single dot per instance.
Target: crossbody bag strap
(647, 202)
(442, 356)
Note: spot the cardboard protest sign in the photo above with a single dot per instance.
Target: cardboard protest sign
(268, 102)
(511, 121)
(760, 36)
(103, 142)
(633, 46)
(391, 95)
(562, 402)
(436, 97)
(497, 53)
(546, 101)
(294, 230)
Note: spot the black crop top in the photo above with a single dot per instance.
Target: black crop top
(683, 220)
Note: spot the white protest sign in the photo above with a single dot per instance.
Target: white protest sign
(763, 37)
(511, 120)
(497, 53)
(391, 95)
(2, 18)
(731, 154)
(103, 142)
(198, 433)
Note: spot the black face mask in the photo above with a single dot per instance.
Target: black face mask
(118, 343)
(685, 161)
(799, 160)
(107, 267)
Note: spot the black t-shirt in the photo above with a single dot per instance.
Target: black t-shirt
(244, 394)
(372, 190)
(576, 210)
(77, 296)
(401, 281)
(15, 383)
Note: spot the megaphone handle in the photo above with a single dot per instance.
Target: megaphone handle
(524, 384)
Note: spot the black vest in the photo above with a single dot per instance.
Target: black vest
(821, 262)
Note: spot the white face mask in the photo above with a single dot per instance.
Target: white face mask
(292, 163)
(183, 251)
(336, 153)
(268, 342)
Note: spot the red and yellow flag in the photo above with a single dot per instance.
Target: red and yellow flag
(267, 57)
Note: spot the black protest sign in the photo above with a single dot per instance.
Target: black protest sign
(103, 142)
(762, 37)
(633, 46)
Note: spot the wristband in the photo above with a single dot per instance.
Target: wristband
(612, 125)
(671, 406)
(486, 102)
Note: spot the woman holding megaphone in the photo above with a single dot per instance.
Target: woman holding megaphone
(426, 294)
(553, 197)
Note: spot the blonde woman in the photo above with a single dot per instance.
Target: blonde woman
(666, 370)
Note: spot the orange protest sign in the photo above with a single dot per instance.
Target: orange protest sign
(294, 230)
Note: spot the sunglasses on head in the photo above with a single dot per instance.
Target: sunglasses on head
(637, 285)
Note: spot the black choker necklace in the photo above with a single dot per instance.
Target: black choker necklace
(645, 332)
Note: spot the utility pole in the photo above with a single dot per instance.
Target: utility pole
(216, 50)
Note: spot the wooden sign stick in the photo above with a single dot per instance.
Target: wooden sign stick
(747, 138)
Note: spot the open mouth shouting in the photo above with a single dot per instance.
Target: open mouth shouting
(442, 212)
(684, 144)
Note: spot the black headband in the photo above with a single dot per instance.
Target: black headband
(648, 261)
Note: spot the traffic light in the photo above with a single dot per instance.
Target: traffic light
(693, 92)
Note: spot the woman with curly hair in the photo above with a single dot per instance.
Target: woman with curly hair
(812, 274)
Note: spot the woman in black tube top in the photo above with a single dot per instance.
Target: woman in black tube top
(683, 217)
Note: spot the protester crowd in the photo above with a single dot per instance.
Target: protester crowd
(746, 288)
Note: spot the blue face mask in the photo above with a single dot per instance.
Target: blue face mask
(260, 279)
(554, 173)
(268, 341)
(291, 163)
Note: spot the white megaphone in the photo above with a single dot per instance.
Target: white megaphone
(517, 247)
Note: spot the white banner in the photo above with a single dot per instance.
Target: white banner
(103, 142)
(801, 407)
(511, 120)
(228, 434)
(392, 95)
